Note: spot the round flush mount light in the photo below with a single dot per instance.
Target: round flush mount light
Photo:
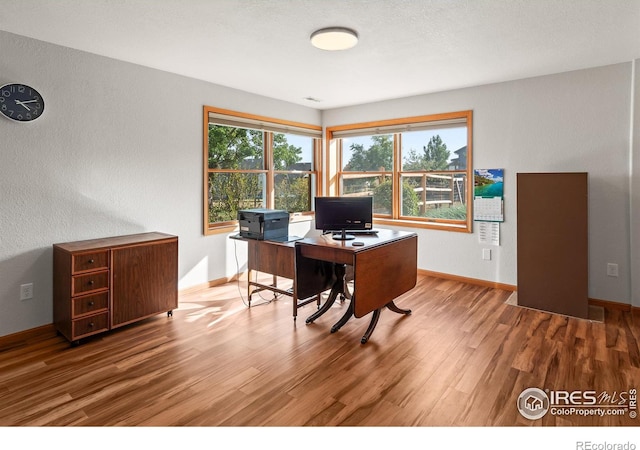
(334, 38)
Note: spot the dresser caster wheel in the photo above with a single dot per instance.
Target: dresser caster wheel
(170, 313)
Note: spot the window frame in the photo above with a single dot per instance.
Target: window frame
(333, 177)
(269, 126)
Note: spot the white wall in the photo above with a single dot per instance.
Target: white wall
(576, 121)
(117, 151)
(635, 188)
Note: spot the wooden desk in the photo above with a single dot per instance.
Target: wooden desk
(276, 259)
(384, 268)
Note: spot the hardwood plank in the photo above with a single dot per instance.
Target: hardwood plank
(461, 358)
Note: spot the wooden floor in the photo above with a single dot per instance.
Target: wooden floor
(461, 358)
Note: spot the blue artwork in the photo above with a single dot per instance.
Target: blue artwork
(488, 183)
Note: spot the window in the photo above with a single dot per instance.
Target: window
(256, 162)
(417, 169)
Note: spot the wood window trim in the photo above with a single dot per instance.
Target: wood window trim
(334, 170)
(287, 126)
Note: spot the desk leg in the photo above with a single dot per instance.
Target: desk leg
(249, 291)
(393, 307)
(376, 315)
(372, 326)
(344, 319)
(324, 308)
(295, 305)
(336, 289)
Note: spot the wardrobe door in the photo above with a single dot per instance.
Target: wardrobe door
(145, 281)
(552, 239)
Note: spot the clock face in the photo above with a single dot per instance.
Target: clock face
(20, 102)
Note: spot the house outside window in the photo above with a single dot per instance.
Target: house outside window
(256, 162)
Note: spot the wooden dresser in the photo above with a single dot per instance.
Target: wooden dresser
(102, 284)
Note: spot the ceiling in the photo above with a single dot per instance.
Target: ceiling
(406, 47)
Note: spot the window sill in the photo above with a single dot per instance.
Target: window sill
(233, 228)
(221, 229)
(460, 228)
(300, 217)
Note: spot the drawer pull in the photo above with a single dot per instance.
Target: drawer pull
(91, 261)
(90, 282)
(91, 303)
(90, 324)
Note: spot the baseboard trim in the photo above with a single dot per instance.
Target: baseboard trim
(211, 283)
(509, 287)
(475, 281)
(607, 304)
(27, 336)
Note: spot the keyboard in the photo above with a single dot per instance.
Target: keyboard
(359, 232)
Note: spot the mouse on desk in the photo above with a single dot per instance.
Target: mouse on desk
(357, 243)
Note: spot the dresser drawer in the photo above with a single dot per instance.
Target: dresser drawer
(84, 262)
(88, 304)
(90, 282)
(90, 325)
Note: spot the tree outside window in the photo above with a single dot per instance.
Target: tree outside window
(417, 171)
(250, 168)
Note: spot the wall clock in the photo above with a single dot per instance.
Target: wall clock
(20, 102)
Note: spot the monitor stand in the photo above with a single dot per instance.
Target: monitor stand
(343, 236)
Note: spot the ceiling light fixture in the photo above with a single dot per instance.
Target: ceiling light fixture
(334, 38)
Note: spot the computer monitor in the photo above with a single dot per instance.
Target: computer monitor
(340, 214)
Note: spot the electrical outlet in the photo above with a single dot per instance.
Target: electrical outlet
(26, 291)
(612, 270)
(486, 254)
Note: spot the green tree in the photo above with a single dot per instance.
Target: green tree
(413, 160)
(241, 149)
(291, 190)
(285, 155)
(229, 192)
(292, 193)
(378, 156)
(234, 148)
(434, 156)
(436, 153)
(382, 198)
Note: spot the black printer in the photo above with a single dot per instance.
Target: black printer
(263, 224)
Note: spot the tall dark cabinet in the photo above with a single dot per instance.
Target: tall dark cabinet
(552, 240)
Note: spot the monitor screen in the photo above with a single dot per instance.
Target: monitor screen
(344, 213)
